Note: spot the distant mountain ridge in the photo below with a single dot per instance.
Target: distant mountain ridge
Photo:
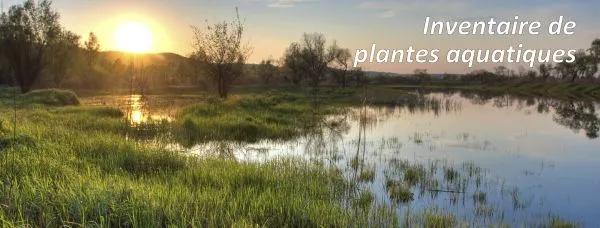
(165, 58)
(144, 58)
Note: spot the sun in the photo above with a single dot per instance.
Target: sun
(133, 37)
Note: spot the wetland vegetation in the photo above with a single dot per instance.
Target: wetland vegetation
(209, 140)
(92, 166)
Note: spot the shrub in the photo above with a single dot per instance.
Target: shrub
(53, 97)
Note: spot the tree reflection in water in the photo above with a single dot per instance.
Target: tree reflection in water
(578, 115)
(575, 115)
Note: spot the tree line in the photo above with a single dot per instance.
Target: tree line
(36, 51)
(585, 67)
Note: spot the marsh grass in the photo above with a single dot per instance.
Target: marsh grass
(72, 166)
(557, 222)
(249, 118)
(87, 166)
(50, 97)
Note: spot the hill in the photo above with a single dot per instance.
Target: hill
(143, 59)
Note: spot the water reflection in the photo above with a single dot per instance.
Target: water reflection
(578, 116)
(143, 108)
(135, 112)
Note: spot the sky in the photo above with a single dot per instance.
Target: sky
(271, 25)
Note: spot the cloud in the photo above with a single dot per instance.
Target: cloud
(388, 14)
(389, 9)
(281, 3)
(453, 9)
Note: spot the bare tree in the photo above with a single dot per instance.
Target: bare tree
(219, 49)
(341, 61)
(26, 32)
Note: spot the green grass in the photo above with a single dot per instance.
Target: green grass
(557, 222)
(50, 97)
(70, 165)
(398, 191)
(480, 197)
(439, 220)
(73, 166)
(250, 118)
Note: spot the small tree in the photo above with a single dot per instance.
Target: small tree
(315, 58)
(26, 32)
(595, 55)
(531, 74)
(580, 65)
(62, 53)
(267, 70)
(422, 75)
(219, 49)
(308, 59)
(293, 64)
(92, 48)
(595, 50)
(501, 71)
(341, 61)
(544, 70)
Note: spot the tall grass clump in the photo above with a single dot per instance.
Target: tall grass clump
(249, 118)
(54, 97)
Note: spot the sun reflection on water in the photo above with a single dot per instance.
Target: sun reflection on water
(135, 112)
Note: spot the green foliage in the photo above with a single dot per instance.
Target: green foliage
(53, 97)
(71, 166)
(439, 220)
(398, 191)
(414, 174)
(367, 175)
(557, 222)
(248, 118)
(450, 174)
(220, 50)
(480, 197)
(364, 200)
(26, 32)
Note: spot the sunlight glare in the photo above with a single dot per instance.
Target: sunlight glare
(133, 37)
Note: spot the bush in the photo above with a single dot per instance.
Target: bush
(53, 97)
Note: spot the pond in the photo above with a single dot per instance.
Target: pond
(486, 158)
